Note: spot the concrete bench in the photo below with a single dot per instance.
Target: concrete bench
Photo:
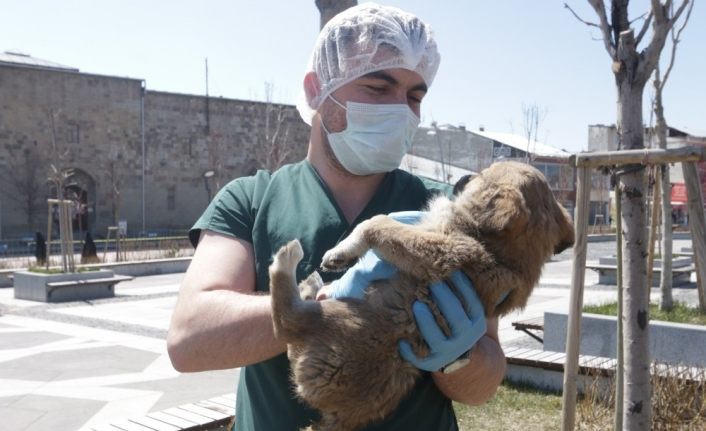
(108, 283)
(213, 414)
(533, 324)
(608, 274)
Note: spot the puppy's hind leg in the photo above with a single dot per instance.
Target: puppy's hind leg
(310, 287)
(284, 293)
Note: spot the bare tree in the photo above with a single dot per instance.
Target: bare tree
(25, 176)
(632, 69)
(114, 170)
(660, 131)
(330, 8)
(58, 177)
(273, 147)
(532, 117)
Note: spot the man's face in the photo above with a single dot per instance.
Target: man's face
(389, 86)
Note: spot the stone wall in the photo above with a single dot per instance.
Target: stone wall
(97, 124)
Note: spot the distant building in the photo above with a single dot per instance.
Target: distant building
(104, 132)
(456, 151)
(605, 138)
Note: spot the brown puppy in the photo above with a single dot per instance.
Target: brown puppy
(500, 230)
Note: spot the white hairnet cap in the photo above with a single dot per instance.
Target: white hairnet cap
(367, 38)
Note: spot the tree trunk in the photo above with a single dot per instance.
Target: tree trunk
(636, 405)
(330, 8)
(666, 302)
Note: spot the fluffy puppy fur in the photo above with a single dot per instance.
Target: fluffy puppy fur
(500, 230)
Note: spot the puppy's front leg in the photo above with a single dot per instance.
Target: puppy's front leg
(347, 252)
(426, 254)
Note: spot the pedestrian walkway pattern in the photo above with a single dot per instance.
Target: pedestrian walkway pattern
(57, 374)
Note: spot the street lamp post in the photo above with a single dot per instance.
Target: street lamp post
(206, 178)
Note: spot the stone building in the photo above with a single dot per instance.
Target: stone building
(605, 138)
(146, 159)
(457, 150)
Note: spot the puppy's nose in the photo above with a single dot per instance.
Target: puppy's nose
(563, 246)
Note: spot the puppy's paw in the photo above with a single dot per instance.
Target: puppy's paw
(336, 260)
(288, 256)
(309, 288)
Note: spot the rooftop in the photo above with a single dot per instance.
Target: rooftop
(13, 58)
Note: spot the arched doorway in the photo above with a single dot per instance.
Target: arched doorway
(80, 188)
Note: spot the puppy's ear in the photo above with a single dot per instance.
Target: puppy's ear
(506, 210)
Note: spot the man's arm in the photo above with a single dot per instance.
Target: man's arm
(219, 321)
(477, 382)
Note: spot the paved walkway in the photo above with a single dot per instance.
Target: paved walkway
(75, 365)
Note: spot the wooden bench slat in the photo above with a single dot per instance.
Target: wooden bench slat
(190, 416)
(510, 351)
(211, 414)
(208, 404)
(171, 419)
(106, 427)
(230, 396)
(542, 356)
(556, 356)
(154, 424)
(223, 401)
(127, 425)
(525, 353)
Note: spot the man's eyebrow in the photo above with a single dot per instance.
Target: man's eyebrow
(380, 74)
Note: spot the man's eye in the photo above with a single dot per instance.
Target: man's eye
(376, 89)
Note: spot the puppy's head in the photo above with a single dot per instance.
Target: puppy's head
(513, 202)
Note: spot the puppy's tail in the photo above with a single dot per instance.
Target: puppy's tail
(292, 317)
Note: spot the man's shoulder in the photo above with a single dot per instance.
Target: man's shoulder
(262, 178)
(411, 181)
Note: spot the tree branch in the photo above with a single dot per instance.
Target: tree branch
(644, 29)
(590, 24)
(676, 37)
(608, 42)
(662, 25)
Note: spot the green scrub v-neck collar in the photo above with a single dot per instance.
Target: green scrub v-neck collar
(368, 211)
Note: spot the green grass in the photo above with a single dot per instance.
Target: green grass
(514, 407)
(681, 313)
(52, 271)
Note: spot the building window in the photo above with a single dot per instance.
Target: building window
(72, 133)
(171, 198)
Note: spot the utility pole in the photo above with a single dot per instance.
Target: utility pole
(208, 119)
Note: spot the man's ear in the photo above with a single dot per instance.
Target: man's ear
(312, 88)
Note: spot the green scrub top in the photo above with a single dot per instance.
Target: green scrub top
(270, 210)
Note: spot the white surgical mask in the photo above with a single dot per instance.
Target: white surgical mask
(376, 137)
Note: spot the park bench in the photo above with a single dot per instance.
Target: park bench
(532, 324)
(213, 414)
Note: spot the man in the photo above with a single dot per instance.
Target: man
(370, 69)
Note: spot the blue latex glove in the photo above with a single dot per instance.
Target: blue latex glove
(369, 267)
(467, 326)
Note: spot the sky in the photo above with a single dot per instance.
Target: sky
(496, 56)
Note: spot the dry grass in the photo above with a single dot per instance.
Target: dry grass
(678, 401)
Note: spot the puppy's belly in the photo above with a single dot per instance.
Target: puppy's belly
(352, 364)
